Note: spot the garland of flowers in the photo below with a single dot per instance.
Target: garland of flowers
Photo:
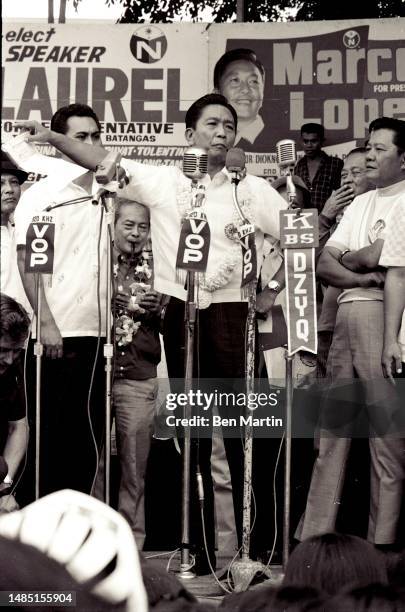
(126, 327)
(186, 201)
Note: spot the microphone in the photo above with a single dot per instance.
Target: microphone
(195, 163)
(286, 153)
(235, 163)
(286, 159)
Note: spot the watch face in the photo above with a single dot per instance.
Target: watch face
(274, 285)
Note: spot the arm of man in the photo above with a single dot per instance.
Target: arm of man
(88, 156)
(330, 270)
(335, 204)
(266, 298)
(268, 219)
(16, 444)
(394, 306)
(364, 259)
(50, 335)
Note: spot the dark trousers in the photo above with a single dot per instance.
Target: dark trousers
(68, 456)
(219, 353)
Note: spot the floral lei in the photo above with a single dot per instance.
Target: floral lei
(126, 327)
(208, 283)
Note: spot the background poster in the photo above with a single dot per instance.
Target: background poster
(140, 79)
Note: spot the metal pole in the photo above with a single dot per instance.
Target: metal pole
(250, 374)
(240, 10)
(38, 351)
(109, 204)
(287, 464)
(191, 308)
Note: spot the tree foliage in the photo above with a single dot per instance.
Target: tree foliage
(166, 11)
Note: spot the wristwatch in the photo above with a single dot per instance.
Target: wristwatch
(342, 254)
(274, 285)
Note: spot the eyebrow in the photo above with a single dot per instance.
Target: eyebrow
(96, 132)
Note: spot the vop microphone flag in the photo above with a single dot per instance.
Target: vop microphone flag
(298, 238)
(195, 234)
(235, 164)
(39, 253)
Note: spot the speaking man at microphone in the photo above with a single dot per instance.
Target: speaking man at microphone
(211, 124)
(70, 320)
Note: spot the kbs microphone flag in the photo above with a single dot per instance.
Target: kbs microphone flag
(298, 238)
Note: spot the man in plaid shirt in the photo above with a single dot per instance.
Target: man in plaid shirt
(319, 171)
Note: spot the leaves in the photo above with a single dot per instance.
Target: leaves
(167, 11)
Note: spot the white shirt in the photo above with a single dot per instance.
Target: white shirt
(358, 220)
(393, 254)
(71, 291)
(157, 188)
(11, 283)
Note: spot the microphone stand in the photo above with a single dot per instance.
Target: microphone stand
(289, 361)
(108, 202)
(190, 321)
(244, 570)
(38, 352)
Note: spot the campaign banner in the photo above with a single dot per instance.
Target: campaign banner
(342, 74)
(141, 78)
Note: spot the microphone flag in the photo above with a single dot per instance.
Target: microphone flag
(195, 234)
(246, 235)
(298, 238)
(40, 244)
(194, 242)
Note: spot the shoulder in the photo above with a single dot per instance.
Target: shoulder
(31, 198)
(333, 161)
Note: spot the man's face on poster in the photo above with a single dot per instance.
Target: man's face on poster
(243, 86)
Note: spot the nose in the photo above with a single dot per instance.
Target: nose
(369, 154)
(347, 180)
(135, 232)
(220, 131)
(244, 86)
(7, 187)
(88, 139)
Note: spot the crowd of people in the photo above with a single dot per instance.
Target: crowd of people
(361, 332)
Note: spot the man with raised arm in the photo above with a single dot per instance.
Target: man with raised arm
(211, 123)
(72, 323)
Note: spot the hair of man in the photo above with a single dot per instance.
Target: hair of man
(59, 121)
(195, 111)
(14, 320)
(395, 125)
(233, 56)
(313, 128)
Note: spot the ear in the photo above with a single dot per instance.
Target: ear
(403, 161)
(189, 135)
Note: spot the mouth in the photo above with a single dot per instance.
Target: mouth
(10, 200)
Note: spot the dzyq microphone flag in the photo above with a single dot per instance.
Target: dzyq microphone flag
(298, 237)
